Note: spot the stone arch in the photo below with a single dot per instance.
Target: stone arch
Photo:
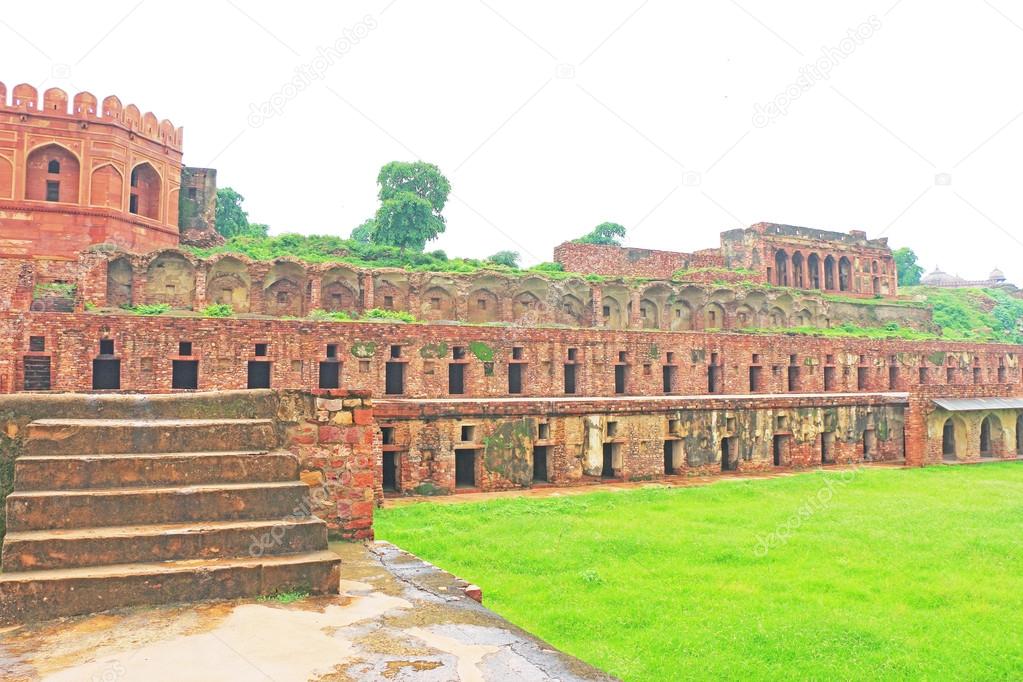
(990, 436)
(146, 184)
(803, 318)
(649, 314)
(529, 304)
(613, 313)
(813, 271)
(953, 439)
(571, 311)
(845, 282)
(119, 282)
(438, 303)
(484, 306)
(745, 317)
(170, 279)
(390, 291)
(43, 184)
(777, 317)
(781, 268)
(228, 283)
(284, 290)
(106, 188)
(829, 273)
(798, 271)
(340, 291)
(713, 316)
(681, 316)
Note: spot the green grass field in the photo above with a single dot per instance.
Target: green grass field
(897, 574)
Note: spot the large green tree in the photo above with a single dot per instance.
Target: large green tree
(607, 234)
(508, 258)
(412, 197)
(907, 267)
(232, 220)
(365, 232)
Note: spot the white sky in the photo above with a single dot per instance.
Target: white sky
(550, 117)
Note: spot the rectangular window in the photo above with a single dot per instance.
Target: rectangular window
(517, 353)
(260, 350)
(668, 378)
(395, 351)
(570, 379)
(394, 379)
(893, 378)
(185, 374)
(387, 435)
(612, 429)
(620, 378)
(389, 475)
(36, 344)
(52, 190)
(330, 374)
(923, 375)
(106, 346)
(458, 353)
(191, 193)
(950, 375)
(258, 374)
(37, 373)
(106, 375)
(331, 350)
(184, 348)
(755, 379)
(133, 204)
(456, 378)
(861, 378)
(540, 464)
(468, 433)
(515, 378)
(829, 378)
(793, 379)
(543, 431)
(572, 353)
(465, 468)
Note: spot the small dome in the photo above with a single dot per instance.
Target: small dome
(997, 275)
(940, 278)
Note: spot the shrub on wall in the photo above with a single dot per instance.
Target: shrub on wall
(218, 310)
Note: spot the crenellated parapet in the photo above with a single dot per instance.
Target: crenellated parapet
(85, 106)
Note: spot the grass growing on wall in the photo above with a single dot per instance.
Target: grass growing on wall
(890, 574)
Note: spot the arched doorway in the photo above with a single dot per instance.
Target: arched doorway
(798, 279)
(844, 274)
(948, 441)
(985, 438)
(829, 273)
(813, 267)
(145, 192)
(781, 268)
(1019, 435)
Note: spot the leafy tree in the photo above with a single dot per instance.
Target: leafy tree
(364, 233)
(231, 218)
(412, 196)
(508, 258)
(907, 267)
(608, 234)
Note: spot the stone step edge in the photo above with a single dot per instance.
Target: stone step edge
(150, 423)
(113, 571)
(145, 490)
(152, 530)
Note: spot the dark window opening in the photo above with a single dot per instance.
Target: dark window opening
(607, 469)
(828, 447)
(780, 449)
(543, 431)
(612, 429)
(540, 464)
(260, 350)
(893, 378)
(869, 445)
(517, 353)
(985, 438)
(950, 375)
(106, 375)
(387, 435)
(468, 433)
(755, 379)
(976, 375)
(713, 379)
(572, 353)
(620, 379)
(184, 348)
(1001, 375)
(515, 378)
(456, 378)
(106, 346)
(390, 472)
(52, 190)
(569, 379)
(465, 468)
(669, 457)
(192, 193)
(948, 441)
(395, 351)
(37, 373)
(185, 374)
(388, 301)
(668, 378)
(331, 350)
(729, 462)
(458, 353)
(37, 344)
(258, 374)
(861, 378)
(394, 379)
(53, 166)
(133, 204)
(623, 356)
(793, 379)
(330, 375)
(923, 375)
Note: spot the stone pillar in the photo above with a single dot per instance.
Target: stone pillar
(257, 271)
(597, 294)
(315, 283)
(200, 288)
(635, 321)
(368, 295)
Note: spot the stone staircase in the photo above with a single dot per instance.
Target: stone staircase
(120, 511)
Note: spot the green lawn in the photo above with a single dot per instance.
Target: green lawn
(899, 574)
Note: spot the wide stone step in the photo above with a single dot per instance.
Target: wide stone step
(53, 549)
(235, 404)
(55, 437)
(41, 595)
(73, 472)
(54, 509)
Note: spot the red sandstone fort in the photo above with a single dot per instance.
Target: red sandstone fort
(646, 371)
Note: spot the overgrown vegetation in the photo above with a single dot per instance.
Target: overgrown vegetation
(605, 234)
(286, 597)
(57, 289)
(974, 314)
(218, 310)
(147, 308)
(882, 573)
(892, 330)
(391, 315)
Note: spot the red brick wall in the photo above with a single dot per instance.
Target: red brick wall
(618, 261)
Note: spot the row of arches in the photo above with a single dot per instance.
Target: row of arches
(986, 438)
(53, 174)
(828, 273)
(25, 97)
(291, 288)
